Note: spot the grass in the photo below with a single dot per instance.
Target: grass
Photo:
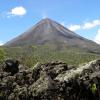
(30, 55)
(2, 54)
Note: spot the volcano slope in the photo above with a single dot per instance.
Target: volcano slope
(50, 32)
(49, 81)
(48, 40)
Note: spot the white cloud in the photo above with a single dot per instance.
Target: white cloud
(97, 37)
(89, 25)
(74, 27)
(85, 26)
(1, 43)
(17, 11)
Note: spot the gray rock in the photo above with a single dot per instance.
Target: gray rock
(51, 81)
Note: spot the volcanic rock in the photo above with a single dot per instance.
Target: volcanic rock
(51, 81)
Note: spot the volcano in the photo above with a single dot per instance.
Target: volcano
(50, 32)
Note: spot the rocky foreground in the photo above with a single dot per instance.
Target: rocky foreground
(50, 81)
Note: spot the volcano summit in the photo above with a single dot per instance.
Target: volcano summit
(50, 32)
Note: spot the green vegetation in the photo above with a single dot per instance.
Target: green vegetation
(30, 55)
(2, 54)
(93, 88)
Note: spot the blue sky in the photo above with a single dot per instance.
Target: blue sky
(81, 16)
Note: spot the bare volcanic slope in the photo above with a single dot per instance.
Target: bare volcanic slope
(50, 32)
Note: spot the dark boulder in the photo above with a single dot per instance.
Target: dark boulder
(11, 66)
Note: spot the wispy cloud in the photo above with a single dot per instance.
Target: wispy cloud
(74, 27)
(17, 11)
(85, 26)
(97, 37)
(92, 24)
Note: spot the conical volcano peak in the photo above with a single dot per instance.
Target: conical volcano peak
(48, 31)
(46, 21)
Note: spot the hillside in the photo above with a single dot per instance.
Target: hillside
(50, 41)
(30, 55)
(50, 32)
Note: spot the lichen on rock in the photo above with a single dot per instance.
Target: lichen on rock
(50, 81)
